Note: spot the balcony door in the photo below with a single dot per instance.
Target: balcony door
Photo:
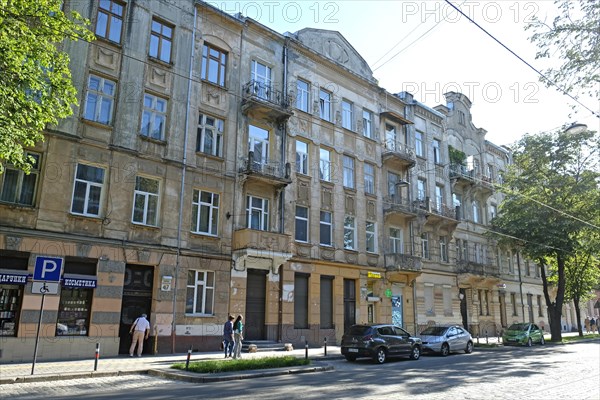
(258, 144)
(261, 76)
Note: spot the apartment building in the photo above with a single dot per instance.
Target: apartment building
(217, 167)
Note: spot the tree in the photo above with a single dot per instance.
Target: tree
(573, 36)
(36, 88)
(552, 199)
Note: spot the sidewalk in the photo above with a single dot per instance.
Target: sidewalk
(159, 364)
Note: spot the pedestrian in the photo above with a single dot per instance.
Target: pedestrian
(228, 336)
(592, 324)
(587, 324)
(238, 329)
(140, 329)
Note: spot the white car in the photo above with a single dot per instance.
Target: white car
(444, 339)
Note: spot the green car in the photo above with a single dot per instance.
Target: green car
(523, 334)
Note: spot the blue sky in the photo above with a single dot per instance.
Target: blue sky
(427, 48)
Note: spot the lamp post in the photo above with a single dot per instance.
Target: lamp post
(576, 128)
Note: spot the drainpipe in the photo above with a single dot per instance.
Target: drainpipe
(414, 288)
(283, 136)
(520, 284)
(183, 171)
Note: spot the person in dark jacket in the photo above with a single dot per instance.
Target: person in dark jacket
(228, 336)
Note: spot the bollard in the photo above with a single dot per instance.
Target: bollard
(306, 350)
(187, 362)
(97, 357)
(325, 340)
(477, 339)
(486, 339)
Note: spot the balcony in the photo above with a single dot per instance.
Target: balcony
(397, 155)
(463, 177)
(264, 101)
(400, 262)
(442, 215)
(470, 268)
(260, 249)
(397, 205)
(273, 173)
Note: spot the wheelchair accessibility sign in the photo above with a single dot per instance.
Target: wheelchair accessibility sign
(46, 275)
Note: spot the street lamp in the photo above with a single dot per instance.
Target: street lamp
(576, 128)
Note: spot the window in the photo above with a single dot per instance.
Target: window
(257, 213)
(160, 41)
(421, 194)
(425, 245)
(349, 233)
(476, 212)
(461, 117)
(301, 224)
(325, 228)
(370, 237)
(509, 261)
(368, 124)
(154, 117)
(439, 198)
(145, 201)
(393, 189)
(261, 80)
(540, 309)
(390, 138)
(513, 300)
(325, 165)
(301, 301)
(396, 245)
(74, 311)
(87, 190)
(200, 292)
(99, 100)
(301, 157)
(326, 307)
(17, 187)
(490, 172)
(493, 211)
(419, 143)
(349, 172)
(205, 213)
(457, 203)
(437, 157)
(325, 105)
(465, 250)
(443, 248)
(214, 65)
(210, 135)
(477, 251)
(302, 97)
(347, 114)
(369, 171)
(110, 20)
(258, 144)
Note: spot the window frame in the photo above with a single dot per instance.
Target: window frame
(349, 172)
(349, 232)
(263, 213)
(204, 283)
(111, 16)
(208, 59)
(304, 220)
(419, 137)
(369, 178)
(444, 249)
(161, 39)
(327, 225)
(347, 114)
(22, 180)
(437, 151)
(325, 165)
(213, 206)
(302, 158)
(367, 118)
(303, 96)
(101, 97)
(88, 186)
(147, 196)
(153, 113)
(325, 100)
(426, 253)
(371, 236)
(396, 243)
(218, 135)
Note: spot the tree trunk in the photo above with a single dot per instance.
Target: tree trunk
(578, 315)
(555, 307)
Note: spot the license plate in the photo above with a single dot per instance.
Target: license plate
(352, 350)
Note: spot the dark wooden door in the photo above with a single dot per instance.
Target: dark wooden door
(137, 300)
(256, 295)
(349, 303)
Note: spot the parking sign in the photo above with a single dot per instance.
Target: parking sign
(47, 269)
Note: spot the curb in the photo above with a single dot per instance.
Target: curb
(61, 377)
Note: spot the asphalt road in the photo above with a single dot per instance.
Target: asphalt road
(550, 372)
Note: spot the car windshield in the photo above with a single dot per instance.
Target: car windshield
(434, 331)
(518, 327)
(359, 330)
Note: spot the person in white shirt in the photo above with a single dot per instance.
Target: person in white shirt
(140, 329)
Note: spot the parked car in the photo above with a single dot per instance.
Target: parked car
(444, 339)
(524, 334)
(379, 341)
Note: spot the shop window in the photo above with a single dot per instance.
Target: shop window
(13, 277)
(75, 305)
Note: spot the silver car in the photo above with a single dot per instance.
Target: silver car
(444, 339)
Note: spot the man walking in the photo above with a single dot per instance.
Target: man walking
(140, 329)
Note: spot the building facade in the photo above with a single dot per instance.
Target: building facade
(217, 167)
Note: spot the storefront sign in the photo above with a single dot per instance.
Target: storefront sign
(13, 279)
(374, 275)
(77, 282)
(165, 285)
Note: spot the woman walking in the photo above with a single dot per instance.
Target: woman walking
(238, 329)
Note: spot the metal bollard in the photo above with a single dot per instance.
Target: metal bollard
(477, 339)
(325, 340)
(486, 339)
(97, 357)
(187, 362)
(306, 350)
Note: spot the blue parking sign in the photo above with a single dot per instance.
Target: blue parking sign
(47, 269)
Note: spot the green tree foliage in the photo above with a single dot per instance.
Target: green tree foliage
(573, 37)
(35, 82)
(552, 203)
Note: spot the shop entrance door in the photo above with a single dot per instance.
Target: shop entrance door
(349, 303)
(137, 300)
(256, 295)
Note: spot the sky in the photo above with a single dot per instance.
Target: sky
(427, 48)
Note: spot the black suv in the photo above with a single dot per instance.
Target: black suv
(379, 341)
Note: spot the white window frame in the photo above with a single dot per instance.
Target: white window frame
(419, 143)
(325, 165)
(439, 197)
(349, 232)
(437, 155)
(425, 245)
(262, 79)
(421, 189)
(149, 201)
(327, 225)
(301, 157)
(371, 236)
(21, 186)
(215, 130)
(348, 172)
(325, 104)
(261, 211)
(476, 209)
(201, 282)
(302, 95)
(396, 241)
(493, 211)
(391, 137)
(154, 113)
(369, 175)
(347, 114)
(300, 219)
(367, 118)
(209, 201)
(443, 249)
(104, 94)
(88, 186)
(256, 137)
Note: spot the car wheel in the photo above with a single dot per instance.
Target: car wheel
(529, 342)
(542, 340)
(350, 358)
(469, 348)
(380, 355)
(445, 350)
(415, 353)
